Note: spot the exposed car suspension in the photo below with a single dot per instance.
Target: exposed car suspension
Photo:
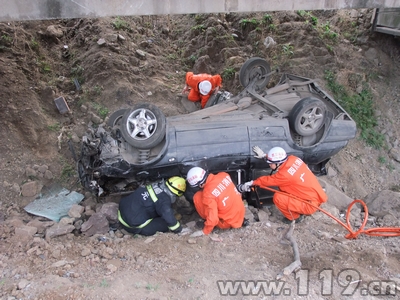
(144, 156)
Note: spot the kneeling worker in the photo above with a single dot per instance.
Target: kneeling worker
(218, 201)
(148, 209)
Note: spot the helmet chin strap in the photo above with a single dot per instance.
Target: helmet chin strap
(276, 168)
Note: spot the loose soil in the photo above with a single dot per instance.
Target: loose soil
(100, 65)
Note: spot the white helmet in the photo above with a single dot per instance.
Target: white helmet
(276, 155)
(205, 87)
(196, 176)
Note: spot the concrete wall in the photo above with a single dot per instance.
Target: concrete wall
(13, 10)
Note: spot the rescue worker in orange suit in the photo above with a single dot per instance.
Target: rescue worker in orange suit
(293, 177)
(218, 201)
(201, 87)
(148, 209)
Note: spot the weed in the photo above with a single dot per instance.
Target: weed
(200, 28)
(267, 19)
(314, 20)
(272, 27)
(67, 171)
(101, 110)
(98, 89)
(228, 73)
(138, 285)
(192, 58)
(301, 13)
(245, 23)
(6, 39)
(77, 72)
(381, 159)
(287, 50)
(120, 24)
(104, 283)
(151, 287)
(390, 167)
(328, 32)
(34, 44)
(361, 109)
(55, 127)
(395, 188)
(172, 56)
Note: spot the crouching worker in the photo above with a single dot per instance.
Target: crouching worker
(293, 177)
(148, 209)
(218, 201)
(201, 86)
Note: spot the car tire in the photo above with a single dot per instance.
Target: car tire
(143, 126)
(116, 117)
(307, 116)
(253, 67)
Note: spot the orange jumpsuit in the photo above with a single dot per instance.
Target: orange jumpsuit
(295, 178)
(219, 203)
(193, 81)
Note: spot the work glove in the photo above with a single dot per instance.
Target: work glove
(244, 187)
(197, 233)
(259, 153)
(185, 231)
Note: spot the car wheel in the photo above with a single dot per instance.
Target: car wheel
(116, 117)
(143, 126)
(255, 68)
(307, 116)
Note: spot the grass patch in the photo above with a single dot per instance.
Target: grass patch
(104, 283)
(228, 73)
(361, 109)
(287, 49)
(151, 287)
(67, 171)
(55, 127)
(120, 24)
(253, 22)
(101, 110)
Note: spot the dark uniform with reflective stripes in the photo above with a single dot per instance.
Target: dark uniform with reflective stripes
(148, 210)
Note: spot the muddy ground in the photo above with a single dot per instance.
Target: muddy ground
(100, 65)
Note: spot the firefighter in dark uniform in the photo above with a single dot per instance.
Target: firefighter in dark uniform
(148, 209)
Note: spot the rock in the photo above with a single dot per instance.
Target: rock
(54, 31)
(395, 154)
(30, 188)
(29, 172)
(58, 229)
(335, 197)
(101, 42)
(110, 211)
(25, 232)
(40, 225)
(141, 54)
(76, 211)
(149, 240)
(23, 284)
(66, 221)
(86, 252)
(97, 223)
(384, 202)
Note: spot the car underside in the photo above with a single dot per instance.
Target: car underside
(140, 144)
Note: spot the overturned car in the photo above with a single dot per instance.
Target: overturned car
(140, 144)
